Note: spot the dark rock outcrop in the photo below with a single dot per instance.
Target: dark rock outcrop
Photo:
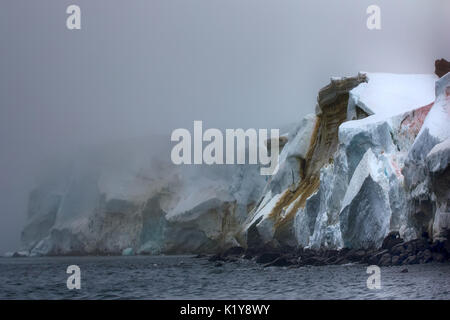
(392, 239)
(234, 251)
(267, 257)
(394, 252)
(442, 67)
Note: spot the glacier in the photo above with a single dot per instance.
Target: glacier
(373, 159)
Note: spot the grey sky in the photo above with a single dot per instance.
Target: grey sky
(148, 67)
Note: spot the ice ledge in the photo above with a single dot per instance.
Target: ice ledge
(385, 95)
(439, 157)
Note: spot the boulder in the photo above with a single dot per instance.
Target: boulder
(234, 251)
(391, 240)
(267, 257)
(356, 255)
(438, 257)
(395, 261)
(397, 249)
(411, 260)
(385, 260)
(402, 257)
(319, 261)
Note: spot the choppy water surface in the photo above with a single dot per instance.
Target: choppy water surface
(184, 277)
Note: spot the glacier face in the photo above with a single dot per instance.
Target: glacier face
(372, 159)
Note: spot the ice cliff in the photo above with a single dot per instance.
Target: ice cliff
(368, 170)
(121, 202)
(372, 159)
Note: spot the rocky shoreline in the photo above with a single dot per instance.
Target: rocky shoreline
(393, 252)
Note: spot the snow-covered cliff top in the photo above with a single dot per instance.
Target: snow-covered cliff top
(386, 95)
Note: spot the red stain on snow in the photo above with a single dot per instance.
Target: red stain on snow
(397, 170)
(447, 100)
(413, 122)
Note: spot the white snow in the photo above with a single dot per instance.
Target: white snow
(265, 209)
(386, 95)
